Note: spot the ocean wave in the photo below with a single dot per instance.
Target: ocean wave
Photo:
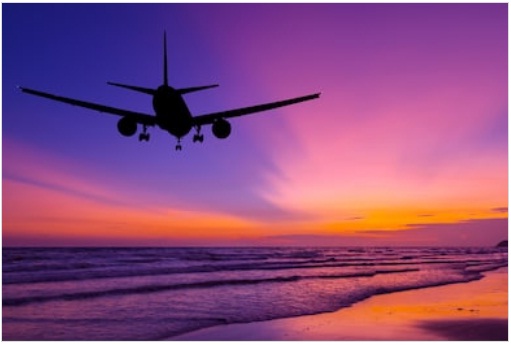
(39, 273)
(195, 285)
(155, 293)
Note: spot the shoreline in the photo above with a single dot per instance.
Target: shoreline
(477, 310)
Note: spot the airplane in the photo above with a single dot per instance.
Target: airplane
(171, 112)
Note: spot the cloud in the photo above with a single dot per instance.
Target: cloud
(228, 195)
(30, 166)
(470, 232)
(500, 209)
(355, 218)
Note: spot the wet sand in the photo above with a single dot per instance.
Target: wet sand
(466, 311)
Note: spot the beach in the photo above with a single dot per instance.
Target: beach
(254, 293)
(476, 310)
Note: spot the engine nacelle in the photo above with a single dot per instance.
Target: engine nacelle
(127, 126)
(221, 128)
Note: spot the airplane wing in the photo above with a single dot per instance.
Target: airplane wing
(141, 118)
(210, 118)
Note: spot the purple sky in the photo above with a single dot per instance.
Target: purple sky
(412, 121)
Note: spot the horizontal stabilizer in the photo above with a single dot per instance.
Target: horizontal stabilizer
(134, 88)
(197, 88)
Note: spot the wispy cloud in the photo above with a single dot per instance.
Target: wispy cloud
(470, 232)
(354, 218)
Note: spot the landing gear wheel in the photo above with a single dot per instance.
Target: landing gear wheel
(178, 146)
(198, 138)
(143, 137)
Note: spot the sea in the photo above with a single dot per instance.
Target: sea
(158, 293)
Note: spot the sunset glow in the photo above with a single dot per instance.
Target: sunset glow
(406, 145)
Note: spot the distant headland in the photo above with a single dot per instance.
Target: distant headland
(502, 244)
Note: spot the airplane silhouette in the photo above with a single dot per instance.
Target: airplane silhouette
(171, 112)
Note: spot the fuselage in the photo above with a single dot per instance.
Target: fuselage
(171, 111)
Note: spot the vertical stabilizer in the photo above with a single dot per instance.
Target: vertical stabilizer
(165, 72)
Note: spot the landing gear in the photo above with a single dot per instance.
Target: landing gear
(144, 135)
(178, 146)
(198, 137)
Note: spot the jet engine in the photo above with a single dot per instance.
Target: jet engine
(221, 128)
(127, 126)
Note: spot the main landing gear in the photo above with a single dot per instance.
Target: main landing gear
(198, 137)
(144, 136)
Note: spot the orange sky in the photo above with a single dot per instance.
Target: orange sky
(47, 199)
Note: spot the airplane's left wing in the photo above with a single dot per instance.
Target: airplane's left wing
(210, 118)
(141, 118)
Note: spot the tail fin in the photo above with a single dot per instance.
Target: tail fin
(165, 71)
(165, 78)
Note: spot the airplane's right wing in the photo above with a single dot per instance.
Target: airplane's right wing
(141, 118)
(210, 118)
